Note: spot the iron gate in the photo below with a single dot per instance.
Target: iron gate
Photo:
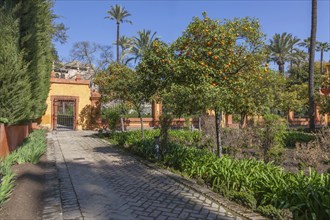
(64, 117)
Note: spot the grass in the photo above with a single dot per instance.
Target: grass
(33, 147)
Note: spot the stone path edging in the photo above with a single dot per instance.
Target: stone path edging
(230, 205)
(52, 201)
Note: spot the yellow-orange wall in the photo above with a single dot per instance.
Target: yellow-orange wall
(71, 88)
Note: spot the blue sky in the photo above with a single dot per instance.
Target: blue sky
(85, 19)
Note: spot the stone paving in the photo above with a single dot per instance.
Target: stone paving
(97, 181)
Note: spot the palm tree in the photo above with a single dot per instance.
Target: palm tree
(125, 44)
(322, 47)
(141, 43)
(298, 57)
(119, 14)
(280, 49)
(306, 43)
(311, 112)
(293, 42)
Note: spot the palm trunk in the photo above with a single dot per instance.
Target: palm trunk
(291, 58)
(141, 121)
(218, 119)
(281, 68)
(311, 97)
(321, 61)
(117, 44)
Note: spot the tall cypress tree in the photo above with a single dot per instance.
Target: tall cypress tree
(14, 81)
(27, 53)
(36, 31)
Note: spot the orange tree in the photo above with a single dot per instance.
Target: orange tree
(160, 71)
(213, 56)
(203, 67)
(254, 93)
(156, 71)
(123, 83)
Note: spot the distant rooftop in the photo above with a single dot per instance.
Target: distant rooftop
(71, 69)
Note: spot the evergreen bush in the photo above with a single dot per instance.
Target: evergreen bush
(15, 92)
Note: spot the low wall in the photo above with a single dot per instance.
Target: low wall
(134, 123)
(151, 123)
(12, 136)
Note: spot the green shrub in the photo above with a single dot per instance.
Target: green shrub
(33, 148)
(270, 212)
(272, 137)
(276, 155)
(243, 198)
(112, 117)
(293, 137)
(7, 184)
(185, 137)
(308, 197)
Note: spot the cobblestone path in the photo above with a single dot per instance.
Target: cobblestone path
(97, 181)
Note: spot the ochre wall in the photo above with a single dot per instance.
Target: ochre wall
(67, 87)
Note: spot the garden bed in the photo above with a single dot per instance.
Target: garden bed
(262, 187)
(30, 152)
(26, 199)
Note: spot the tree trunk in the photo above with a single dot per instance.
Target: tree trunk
(281, 68)
(311, 112)
(141, 121)
(242, 123)
(321, 70)
(122, 123)
(199, 123)
(291, 58)
(218, 119)
(165, 125)
(117, 44)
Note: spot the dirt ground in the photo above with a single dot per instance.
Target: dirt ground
(26, 199)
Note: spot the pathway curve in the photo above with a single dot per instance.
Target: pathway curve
(97, 181)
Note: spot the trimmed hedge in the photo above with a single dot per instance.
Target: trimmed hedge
(293, 137)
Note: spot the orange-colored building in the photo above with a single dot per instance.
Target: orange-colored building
(67, 101)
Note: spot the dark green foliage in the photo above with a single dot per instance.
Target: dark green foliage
(186, 137)
(14, 82)
(33, 148)
(299, 75)
(36, 31)
(272, 138)
(243, 198)
(26, 54)
(269, 211)
(7, 184)
(112, 117)
(247, 181)
(293, 137)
